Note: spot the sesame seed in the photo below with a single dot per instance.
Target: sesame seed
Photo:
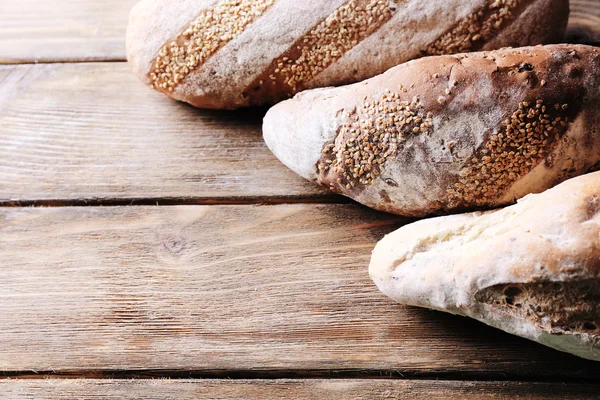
(202, 38)
(370, 135)
(343, 29)
(481, 25)
(508, 155)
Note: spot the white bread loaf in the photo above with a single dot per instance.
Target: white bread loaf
(235, 53)
(531, 269)
(448, 133)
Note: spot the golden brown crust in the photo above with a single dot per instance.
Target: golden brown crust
(472, 32)
(208, 33)
(498, 125)
(369, 137)
(541, 92)
(523, 140)
(322, 46)
(541, 22)
(335, 34)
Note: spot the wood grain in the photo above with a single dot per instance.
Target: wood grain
(228, 288)
(92, 132)
(289, 390)
(62, 30)
(584, 22)
(83, 30)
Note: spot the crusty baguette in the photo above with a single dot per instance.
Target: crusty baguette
(448, 133)
(235, 53)
(531, 269)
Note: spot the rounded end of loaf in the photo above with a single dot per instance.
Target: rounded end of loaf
(528, 269)
(135, 43)
(152, 24)
(383, 264)
(463, 105)
(408, 266)
(296, 130)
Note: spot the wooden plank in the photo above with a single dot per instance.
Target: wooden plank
(289, 390)
(83, 30)
(228, 288)
(584, 22)
(63, 30)
(92, 131)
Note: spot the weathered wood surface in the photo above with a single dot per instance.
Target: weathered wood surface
(289, 390)
(229, 288)
(584, 22)
(246, 291)
(89, 132)
(63, 30)
(83, 30)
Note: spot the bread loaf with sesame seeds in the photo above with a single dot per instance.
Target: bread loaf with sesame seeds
(448, 133)
(237, 53)
(531, 269)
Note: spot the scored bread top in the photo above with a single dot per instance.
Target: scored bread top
(232, 53)
(531, 269)
(448, 132)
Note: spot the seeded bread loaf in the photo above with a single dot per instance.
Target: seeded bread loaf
(448, 133)
(531, 269)
(235, 53)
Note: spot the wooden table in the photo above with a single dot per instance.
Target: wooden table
(141, 239)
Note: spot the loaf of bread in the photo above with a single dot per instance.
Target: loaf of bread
(448, 133)
(235, 53)
(531, 269)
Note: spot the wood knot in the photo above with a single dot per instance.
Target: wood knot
(175, 244)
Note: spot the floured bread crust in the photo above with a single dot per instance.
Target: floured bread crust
(236, 53)
(448, 133)
(531, 269)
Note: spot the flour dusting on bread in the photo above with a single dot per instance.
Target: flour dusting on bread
(531, 269)
(448, 133)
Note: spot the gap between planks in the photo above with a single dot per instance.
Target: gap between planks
(299, 374)
(166, 201)
(230, 288)
(289, 389)
(79, 133)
